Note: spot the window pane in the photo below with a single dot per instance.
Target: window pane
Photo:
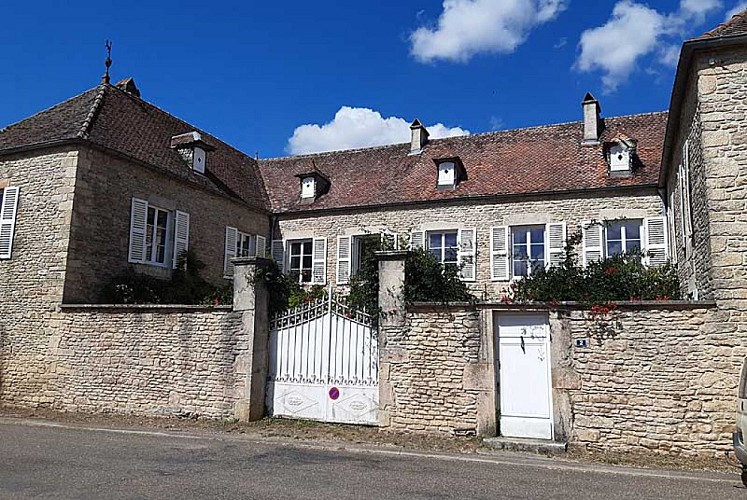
(539, 264)
(633, 246)
(614, 231)
(450, 255)
(295, 249)
(306, 276)
(307, 261)
(295, 263)
(614, 247)
(632, 231)
(307, 247)
(436, 252)
(520, 252)
(520, 268)
(451, 239)
(434, 240)
(163, 218)
(538, 251)
(520, 236)
(538, 234)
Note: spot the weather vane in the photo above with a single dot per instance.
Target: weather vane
(108, 62)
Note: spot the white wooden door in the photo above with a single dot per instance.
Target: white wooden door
(524, 376)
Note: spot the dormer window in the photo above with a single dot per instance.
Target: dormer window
(308, 187)
(192, 149)
(621, 155)
(449, 173)
(198, 160)
(313, 185)
(446, 174)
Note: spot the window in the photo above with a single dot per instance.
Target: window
(619, 158)
(446, 174)
(8, 211)
(245, 245)
(528, 249)
(156, 238)
(624, 237)
(363, 248)
(444, 246)
(308, 187)
(300, 259)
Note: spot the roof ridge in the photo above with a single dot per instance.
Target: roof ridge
(86, 126)
(455, 137)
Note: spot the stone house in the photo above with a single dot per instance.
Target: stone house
(106, 181)
(498, 203)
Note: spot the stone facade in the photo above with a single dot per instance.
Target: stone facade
(100, 234)
(402, 220)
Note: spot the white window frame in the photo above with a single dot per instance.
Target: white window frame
(250, 239)
(623, 235)
(169, 237)
(308, 187)
(289, 249)
(528, 228)
(443, 247)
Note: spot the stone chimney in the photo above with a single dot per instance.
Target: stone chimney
(418, 138)
(592, 120)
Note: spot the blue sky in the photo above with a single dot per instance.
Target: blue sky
(253, 72)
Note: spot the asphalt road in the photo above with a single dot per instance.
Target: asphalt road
(44, 461)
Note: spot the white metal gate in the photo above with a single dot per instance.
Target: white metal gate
(524, 381)
(324, 364)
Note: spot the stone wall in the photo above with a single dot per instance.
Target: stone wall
(100, 235)
(662, 380)
(482, 216)
(428, 368)
(32, 280)
(653, 378)
(139, 360)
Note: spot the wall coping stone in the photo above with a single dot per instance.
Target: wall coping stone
(145, 308)
(646, 305)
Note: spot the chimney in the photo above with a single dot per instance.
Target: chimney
(592, 120)
(419, 137)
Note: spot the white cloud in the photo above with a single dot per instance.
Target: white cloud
(357, 128)
(633, 31)
(740, 7)
(469, 27)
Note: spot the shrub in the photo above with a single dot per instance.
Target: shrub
(186, 287)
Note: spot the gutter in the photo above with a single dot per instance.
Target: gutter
(689, 48)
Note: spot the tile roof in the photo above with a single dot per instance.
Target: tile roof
(523, 161)
(737, 25)
(109, 117)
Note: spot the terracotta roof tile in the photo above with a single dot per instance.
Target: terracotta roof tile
(117, 120)
(531, 160)
(737, 25)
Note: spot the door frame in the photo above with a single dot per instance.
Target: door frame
(495, 324)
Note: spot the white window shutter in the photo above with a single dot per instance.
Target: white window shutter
(278, 253)
(319, 261)
(670, 228)
(417, 240)
(343, 259)
(467, 244)
(261, 250)
(593, 246)
(655, 229)
(499, 261)
(556, 237)
(138, 225)
(681, 194)
(8, 212)
(232, 235)
(181, 236)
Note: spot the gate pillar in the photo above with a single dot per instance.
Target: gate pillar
(392, 320)
(250, 298)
